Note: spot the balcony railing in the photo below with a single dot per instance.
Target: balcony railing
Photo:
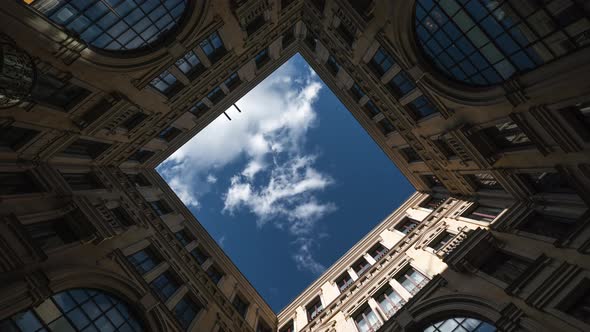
(389, 313)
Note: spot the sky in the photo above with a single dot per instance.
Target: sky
(288, 185)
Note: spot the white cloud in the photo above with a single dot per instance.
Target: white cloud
(304, 258)
(211, 179)
(183, 191)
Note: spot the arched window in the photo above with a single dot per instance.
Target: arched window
(464, 324)
(485, 42)
(115, 25)
(75, 310)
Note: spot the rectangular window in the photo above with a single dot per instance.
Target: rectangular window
(433, 202)
(134, 120)
(261, 58)
(347, 33)
(288, 37)
(213, 47)
(169, 134)
(82, 181)
(289, 327)
(445, 148)
(332, 65)
(344, 281)
(441, 240)
(214, 273)
(410, 154)
(199, 109)
(389, 301)
(314, 308)
(216, 95)
(121, 216)
(141, 155)
(549, 182)
(17, 183)
(190, 65)
(412, 280)
(233, 81)
(16, 137)
(400, 85)
(507, 136)
(484, 213)
(549, 224)
(505, 267)
(167, 84)
(579, 117)
(52, 233)
(361, 266)
(186, 310)
(138, 179)
(184, 237)
(385, 126)
(200, 255)
(381, 62)
(378, 251)
(51, 91)
(407, 225)
(311, 41)
(485, 181)
(431, 180)
(421, 108)
(366, 320)
(255, 24)
(262, 326)
(161, 207)
(577, 304)
(241, 305)
(356, 92)
(371, 109)
(165, 285)
(144, 260)
(86, 148)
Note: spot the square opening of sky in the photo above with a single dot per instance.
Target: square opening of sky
(288, 185)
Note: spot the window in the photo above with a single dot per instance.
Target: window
(485, 43)
(361, 266)
(134, 120)
(232, 82)
(82, 181)
(549, 223)
(17, 183)
(578, 116)
(549, 182)
(460, 324)
(311, 41)
(344, 281)
(161, 207)
(165, 285)
(441, 240)
(167, 84)
(184, 237)
(138, 179)
(86, 148)
(366, 320)
(421, 108)
(144, 260)
(169, 134)
(262, 326)
(190, 65)
(445, 148)
(52, 233)
(214, 273)
(261, 58)
(504, 267)
(577, 304)
(410, 154)
(385, 126)
(255, 24)
(241, 305)
(389, 301)
(121, 217)
(378, 251)
(199, 109)
(347, 33)
(483, 213)
(213, 47)
(433, 202)
(356, 92)
(485, 181)
(332, 65)
(288, 37)
(186, 310)
(16, 137)
(199, 255)
(216, 95)
(289, 327)
(431, 180)
(412, 280)
(141, 155)
(400, 85)
(51, 91)
(371, 110)
(407, 225)
(314, 308)
(116, 25)
(77, 310)
(507, 135)
(381, 62)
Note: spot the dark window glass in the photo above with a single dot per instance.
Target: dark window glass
(356, 92)
(216, 95)
(421, 107)
(378, 251)
(144, 260)
(262, 326)
(549, 182)
(505, 267)
(241, 305)
(385, 126)
(199, 255)
(288, 37)
(199, 109)
(16, 183)
(82, 181)
(115, 25)
(134, 120)
(484, 213)
(445, 148)
(578, 303)
(433, 202)
(441, 240)
(141, 155)
(332, 65)
(314, 308)
(51, 91)
(361, 266)
(431, 180)
(579, 117)
(319, 4)
(344, 281)
(16, 137)
(169, 134)
(184, 237)
(161, 207)
(381, 62)
(507, 135)
(165, 285)
(287, 327)
(122, 217)
(261, 58)
(185, 311)
(233, 81)
(213, 47)
(311, 41)
(347, 33)
(366, 320)
(550, 225)
(87, 148)
(407, 225)
(190, 65)
(389, 301)
(255, 24)
(410, 154)
(167, 84)
(400, 85)
(139, 180)
(52, 233)
(214, 273)
(464, 324)
(371, 109)
(411, 280)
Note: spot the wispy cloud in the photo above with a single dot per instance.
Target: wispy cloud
(304, 258)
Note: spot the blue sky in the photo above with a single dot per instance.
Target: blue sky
(287, 186)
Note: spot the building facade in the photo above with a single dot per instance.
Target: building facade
(483, 105)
